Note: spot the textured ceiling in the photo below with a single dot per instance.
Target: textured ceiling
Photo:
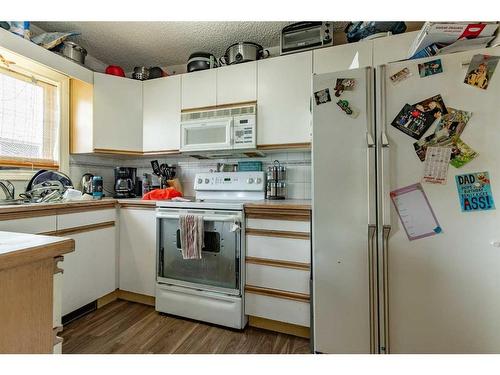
(130, 44)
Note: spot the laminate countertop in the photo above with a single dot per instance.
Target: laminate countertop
(20, 248)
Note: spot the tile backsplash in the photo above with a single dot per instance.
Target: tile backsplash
(298, 166)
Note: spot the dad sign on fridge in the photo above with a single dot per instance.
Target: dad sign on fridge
(474, 192)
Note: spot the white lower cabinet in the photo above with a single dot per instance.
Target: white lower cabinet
(277, 279)
(57, 307)
(32, 225)
(280, 309)
(137, 250)
(280, 278)
(89, 271)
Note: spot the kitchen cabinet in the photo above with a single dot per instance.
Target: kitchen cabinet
(138, 250)
(90, 271)
(117, 113)
(278, 258)
(162, 114)
(237, 83)
(283, 99)
(343, 57)
(392, 48)
(199, 89)
(32, 225)
(106, 116)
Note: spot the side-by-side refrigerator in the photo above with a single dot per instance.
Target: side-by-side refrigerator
(374, 290)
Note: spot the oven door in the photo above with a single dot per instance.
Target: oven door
(219, 268)
(207, 135)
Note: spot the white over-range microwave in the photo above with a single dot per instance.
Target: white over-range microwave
(219, 129)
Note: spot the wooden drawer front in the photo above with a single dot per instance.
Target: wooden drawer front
(292, 280)
(79, 219)
(280, 309)
(31, 225)
(282, 225)
(288, 249)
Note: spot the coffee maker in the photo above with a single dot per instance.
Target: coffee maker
(125, 178)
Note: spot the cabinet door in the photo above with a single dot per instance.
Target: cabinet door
(199, 89)
(343, 57)
(162, 114)
(283, 99)
(237, 83)
(392, 48)
(117, 113)
(138, 251)
(89, 271)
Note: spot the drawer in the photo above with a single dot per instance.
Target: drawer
(282, 225)
(33, 225)
(78, 219)
(279, 248)
(288, 279)
(280, 309)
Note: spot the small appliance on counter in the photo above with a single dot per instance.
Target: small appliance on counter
(97, 187)
(125, 178)
(276, 184)
(86, 183)
(303, 36)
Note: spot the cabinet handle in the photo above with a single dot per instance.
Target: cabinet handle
(57, 269)
(57, 339)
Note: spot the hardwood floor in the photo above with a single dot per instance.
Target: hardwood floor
(128, 327)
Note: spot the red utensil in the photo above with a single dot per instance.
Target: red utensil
(115, 70)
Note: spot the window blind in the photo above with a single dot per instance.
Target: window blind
(29, 121)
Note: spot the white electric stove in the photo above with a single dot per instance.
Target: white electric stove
(209, 289)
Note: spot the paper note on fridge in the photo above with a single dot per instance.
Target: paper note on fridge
(415, 212)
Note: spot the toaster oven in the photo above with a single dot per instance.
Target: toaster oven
(303, 36)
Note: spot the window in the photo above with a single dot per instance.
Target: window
(29, 121)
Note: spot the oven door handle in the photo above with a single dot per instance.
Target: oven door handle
(225, 218)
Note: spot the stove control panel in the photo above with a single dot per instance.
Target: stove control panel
(230, 181)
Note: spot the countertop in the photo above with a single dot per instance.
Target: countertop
(61, 207)
(20, 248)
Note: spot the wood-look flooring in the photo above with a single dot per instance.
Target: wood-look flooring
(128, 327)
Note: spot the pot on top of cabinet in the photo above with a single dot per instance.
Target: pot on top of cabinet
(201, 61)
(243, 52)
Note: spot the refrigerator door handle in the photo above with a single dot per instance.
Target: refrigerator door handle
(372, 230)
(386, 180)
(386, 230)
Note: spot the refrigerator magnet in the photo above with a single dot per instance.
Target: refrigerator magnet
(481, 69)
(347, 108)
(344, 84)
(400, 76)
(322, 96)
(415, 212)
(430, 68)
(474, 192)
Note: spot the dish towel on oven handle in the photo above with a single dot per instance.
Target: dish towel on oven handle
(192, 233)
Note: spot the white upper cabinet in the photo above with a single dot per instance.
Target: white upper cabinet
(117, 113)
(237, 83)
(343, 57)
(392, 48)
(199, 89)
(283, 99)
(162, 114)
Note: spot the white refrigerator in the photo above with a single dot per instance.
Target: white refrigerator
(374, 290)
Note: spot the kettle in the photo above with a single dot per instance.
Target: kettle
(86, 183)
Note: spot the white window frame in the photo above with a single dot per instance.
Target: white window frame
(23, 65)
